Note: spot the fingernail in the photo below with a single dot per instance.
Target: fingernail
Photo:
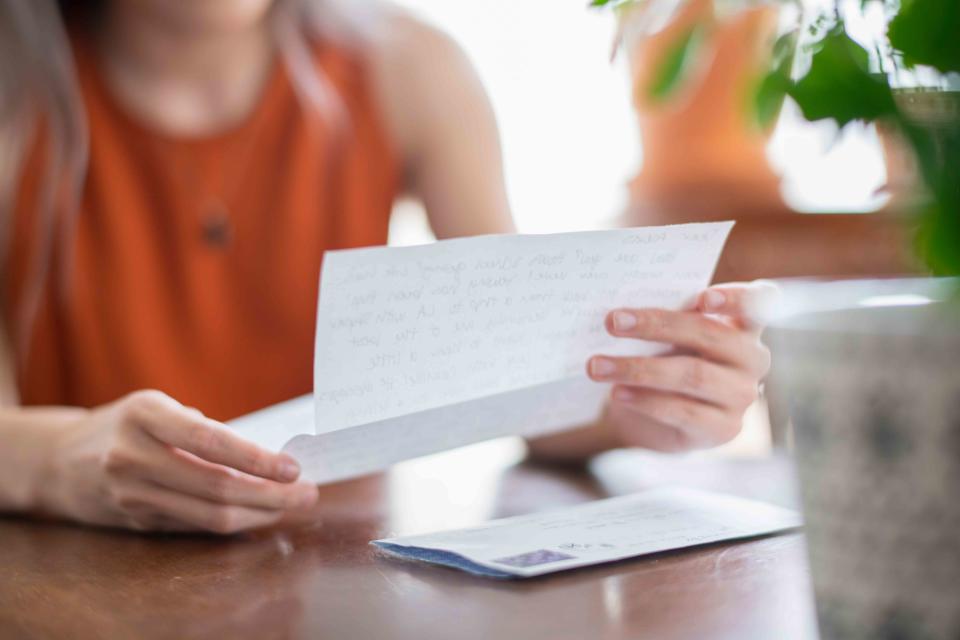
(602, 367)
(713, 299)
(289, 469)
(624, 320)
(623, 394)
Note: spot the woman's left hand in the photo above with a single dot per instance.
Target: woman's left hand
(695, 395)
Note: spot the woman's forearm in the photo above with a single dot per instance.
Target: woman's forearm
(28, 437)
(143, 461)
(575, 445)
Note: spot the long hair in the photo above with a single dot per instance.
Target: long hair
(40, 100)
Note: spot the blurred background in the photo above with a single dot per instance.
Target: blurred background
(564, 97)
(570, 136)
(762, 111)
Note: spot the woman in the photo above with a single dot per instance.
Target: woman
(173, 172)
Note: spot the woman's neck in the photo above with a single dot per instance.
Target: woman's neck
(190, 82)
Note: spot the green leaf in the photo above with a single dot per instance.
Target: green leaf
(938, 152)
(774, 85)
(938, 239)
(769, 97)
(675, 64)
(616, 4)
(927, 32)
(783, 50)
(839, 86)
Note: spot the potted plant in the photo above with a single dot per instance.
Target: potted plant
(911, 87)
(874, 383)
(692, 65)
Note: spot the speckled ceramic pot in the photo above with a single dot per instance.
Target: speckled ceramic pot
(874, 397)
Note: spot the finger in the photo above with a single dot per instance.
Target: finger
(687, 375)
(748, 304)
(183, 472)
(152, 505)
(171, 423)
(704, 424)
(693, 331)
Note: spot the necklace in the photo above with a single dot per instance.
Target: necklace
(214, 204)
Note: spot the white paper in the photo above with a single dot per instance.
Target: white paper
(421, 349)
(363, 449)
(603, 531)
(405, 329)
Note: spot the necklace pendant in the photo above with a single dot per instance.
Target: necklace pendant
(216, 231)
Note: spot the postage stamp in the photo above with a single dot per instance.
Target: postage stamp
(534, 558)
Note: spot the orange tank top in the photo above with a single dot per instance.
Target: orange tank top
(193, 264)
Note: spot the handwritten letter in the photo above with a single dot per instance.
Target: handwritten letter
(406, 329)
(422, 349)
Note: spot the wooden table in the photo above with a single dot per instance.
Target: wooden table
(323, 580)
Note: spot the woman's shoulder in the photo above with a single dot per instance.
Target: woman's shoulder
(418, 72)
(406, 35)
(408, 48)
(392, 43)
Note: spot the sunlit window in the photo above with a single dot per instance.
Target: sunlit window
(569, 137)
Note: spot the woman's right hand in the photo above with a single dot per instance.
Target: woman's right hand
(147, 462)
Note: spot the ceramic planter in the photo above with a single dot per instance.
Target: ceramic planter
(874, 397)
